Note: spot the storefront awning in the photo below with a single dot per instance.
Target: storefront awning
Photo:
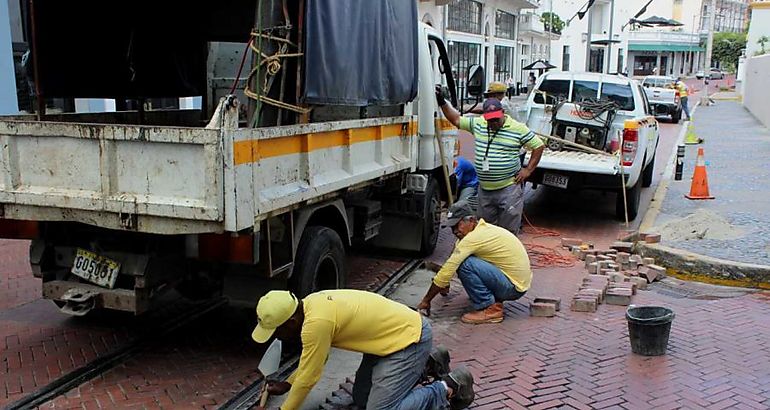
(663, 47)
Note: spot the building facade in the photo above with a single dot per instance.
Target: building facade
(479, 32)
(535, 38)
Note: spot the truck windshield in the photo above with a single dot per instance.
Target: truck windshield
(555, 91)
(621, 94)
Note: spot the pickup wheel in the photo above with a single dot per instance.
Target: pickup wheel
(431, 215)
(647, 173)
(320, 262)
(633, 195)
(676, 116)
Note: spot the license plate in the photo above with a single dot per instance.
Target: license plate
(96, 269)
(555, 180)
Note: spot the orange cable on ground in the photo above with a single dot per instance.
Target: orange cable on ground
(541, 256)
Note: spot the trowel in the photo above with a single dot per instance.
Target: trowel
(269, 364)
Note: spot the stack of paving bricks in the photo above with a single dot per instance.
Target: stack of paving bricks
(614, 274)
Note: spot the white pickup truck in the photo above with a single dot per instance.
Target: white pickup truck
(241, 195)
(609, 114)
(663, 97)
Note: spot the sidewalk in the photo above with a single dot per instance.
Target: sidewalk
(736, 225)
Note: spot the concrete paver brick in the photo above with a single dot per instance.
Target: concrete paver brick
(590, 259)
(597, 293)
(570, 242)
(592, 268)
(622, 257)
(539, 309)
(549, 299)
(652, 238)
(624, 285)
(618, 296)
(622, 246)
(641, 283)
(583, 304)
(648, 261)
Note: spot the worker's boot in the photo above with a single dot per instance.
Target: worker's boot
(438, 363)
(492, 314)
(461, 382)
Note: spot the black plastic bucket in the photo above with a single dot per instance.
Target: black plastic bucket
(648, 329)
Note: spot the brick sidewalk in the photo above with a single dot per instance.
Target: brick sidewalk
(718, 357)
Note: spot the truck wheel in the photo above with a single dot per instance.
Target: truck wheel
(431, 215)
(320, 262)
(676, 116)
(647, 173)
(633, 195)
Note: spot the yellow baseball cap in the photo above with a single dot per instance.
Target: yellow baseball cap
(273, 310)
(496, 87)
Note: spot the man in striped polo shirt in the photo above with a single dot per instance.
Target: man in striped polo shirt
(498, 140)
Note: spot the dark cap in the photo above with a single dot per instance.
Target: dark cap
(493, 108)
(457, 212)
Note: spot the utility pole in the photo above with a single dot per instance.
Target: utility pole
(709, 48)
(588, 39)
(609, 39)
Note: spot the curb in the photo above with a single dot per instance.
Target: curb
(686, 265)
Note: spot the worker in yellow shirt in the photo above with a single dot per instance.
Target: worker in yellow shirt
(682, 90)
(491, 262)
(395, 340)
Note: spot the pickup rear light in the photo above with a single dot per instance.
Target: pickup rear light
(630, 142)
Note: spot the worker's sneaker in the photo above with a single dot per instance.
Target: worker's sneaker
(438, 363)
(461, 382)
(492, 314)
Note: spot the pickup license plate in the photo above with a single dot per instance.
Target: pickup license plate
(555, 180)
(94, 268)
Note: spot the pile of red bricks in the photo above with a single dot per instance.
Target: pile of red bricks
(614, 274)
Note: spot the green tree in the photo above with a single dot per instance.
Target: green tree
(546, 19)
(727, 48)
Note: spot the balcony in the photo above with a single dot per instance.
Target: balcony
(534, 27)
(663, 41)
(523, 4)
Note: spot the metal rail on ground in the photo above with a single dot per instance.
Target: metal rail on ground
(107, 361)
(249, 396)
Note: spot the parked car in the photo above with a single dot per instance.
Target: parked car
(700, 74)
(716, 74)
(604, 112)
(663, 96)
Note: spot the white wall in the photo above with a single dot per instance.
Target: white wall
(757, 87)
(760, 26)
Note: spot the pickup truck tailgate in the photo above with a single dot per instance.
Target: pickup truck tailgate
(111, 175)
(577, 161)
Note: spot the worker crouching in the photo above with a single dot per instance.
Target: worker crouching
(490, 261)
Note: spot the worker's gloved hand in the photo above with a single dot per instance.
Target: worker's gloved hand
(278, 388)
(424, 308)
(440, 96)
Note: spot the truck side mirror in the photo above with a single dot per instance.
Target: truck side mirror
(476, 80)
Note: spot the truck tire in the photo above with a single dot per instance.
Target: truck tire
(320, 262)
(647, 173)
(633, 195)
(431, 218)
(676, 116)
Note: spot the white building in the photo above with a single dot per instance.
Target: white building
(631, 49)
(479, 32)
(534, 40)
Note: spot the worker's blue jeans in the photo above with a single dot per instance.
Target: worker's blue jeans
(685, 106)
(389, 382)
(485, 283)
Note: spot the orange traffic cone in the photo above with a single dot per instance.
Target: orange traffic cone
(700, 182)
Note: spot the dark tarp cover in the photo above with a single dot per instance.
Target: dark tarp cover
(361, 52)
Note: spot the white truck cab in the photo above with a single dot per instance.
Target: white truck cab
(610, 115)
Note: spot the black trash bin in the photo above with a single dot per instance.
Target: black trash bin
(649, 328)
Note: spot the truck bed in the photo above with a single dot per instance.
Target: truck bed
(181, 180)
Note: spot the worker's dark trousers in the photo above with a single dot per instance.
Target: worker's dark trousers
(388, 382)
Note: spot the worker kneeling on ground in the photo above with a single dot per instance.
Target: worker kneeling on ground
(491, 262)
(395, 340)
